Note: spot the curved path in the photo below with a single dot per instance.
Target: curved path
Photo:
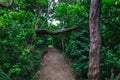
(55, 67)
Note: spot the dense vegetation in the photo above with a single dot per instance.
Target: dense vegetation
(77, 42)
(21, 48)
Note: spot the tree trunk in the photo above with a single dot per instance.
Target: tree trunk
(63, 44)
(95, 40)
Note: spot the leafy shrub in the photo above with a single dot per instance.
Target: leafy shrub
(77, 50)
(19, 60)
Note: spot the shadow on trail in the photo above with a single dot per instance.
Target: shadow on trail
(54, 67)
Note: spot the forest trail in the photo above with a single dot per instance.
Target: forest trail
(55, 67)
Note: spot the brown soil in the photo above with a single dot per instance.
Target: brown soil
(55, 67)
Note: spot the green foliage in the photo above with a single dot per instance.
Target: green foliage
(20, 49)
(17, 60)
(70, 14)
(77, 44)
(19, 52)
(77, 50)
(110, 40)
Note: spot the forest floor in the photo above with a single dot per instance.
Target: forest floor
(54, 67)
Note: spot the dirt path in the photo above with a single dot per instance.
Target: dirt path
(55, 67)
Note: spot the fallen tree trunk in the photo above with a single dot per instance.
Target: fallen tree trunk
(56, 32)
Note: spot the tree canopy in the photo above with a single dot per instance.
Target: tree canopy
(23, 40)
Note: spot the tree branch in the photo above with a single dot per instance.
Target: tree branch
(56, 32)
(6, 4)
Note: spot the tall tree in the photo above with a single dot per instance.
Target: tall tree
(95, 40)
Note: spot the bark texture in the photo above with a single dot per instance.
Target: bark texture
(57, 31)
(95, 40)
